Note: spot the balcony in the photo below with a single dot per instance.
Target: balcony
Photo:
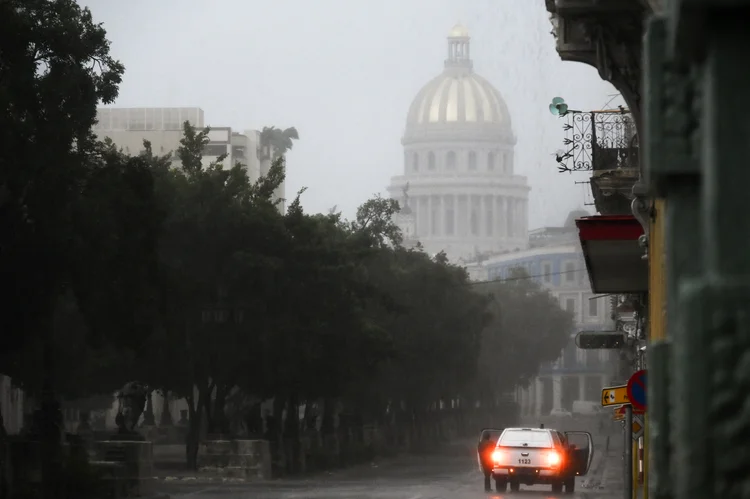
(606, 144)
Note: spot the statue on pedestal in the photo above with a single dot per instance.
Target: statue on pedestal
(131, 403)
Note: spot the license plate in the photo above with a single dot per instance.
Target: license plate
(524, 460)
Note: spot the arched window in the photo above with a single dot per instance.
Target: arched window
(472, 160)
(415, 161)
(431, 161)
(450, 161)
(491, 161)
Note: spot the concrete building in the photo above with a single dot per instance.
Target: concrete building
(459, 172)
(129, 127)
(554, 259)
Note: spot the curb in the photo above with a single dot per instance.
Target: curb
(200, 479)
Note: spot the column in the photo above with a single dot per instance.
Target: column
(509, 214)
(482, 222)
(431, 217)
(519, 218)
(499, 217)
(557, 392)
(539, 396)
(444, 203)
(581, 387)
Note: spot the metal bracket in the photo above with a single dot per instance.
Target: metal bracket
(642, 212)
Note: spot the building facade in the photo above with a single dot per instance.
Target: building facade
(129, 127)
(459, 173)
(554, 260)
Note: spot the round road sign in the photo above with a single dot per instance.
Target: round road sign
(637, 390)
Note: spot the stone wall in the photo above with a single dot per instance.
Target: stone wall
(248, 459)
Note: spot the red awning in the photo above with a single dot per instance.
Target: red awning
(614, 259)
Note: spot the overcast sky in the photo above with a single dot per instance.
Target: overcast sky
(344, 72)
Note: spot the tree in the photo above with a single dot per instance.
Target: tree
(528, 329)
(55, 68)
(279, 140)
(218, 258)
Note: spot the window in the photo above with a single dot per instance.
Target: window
(547, 272)
(491, 161)
(450, 160)
(570, 305)
(474, 223)
(525, 438)
(431, 161)
(472, 160)
(415, 162)
(449, 220)
(570, 272)
(238, 152)
(490, 222)
(593, 307)
(215, 150)
(434, 224)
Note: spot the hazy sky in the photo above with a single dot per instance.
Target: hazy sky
(344, 72)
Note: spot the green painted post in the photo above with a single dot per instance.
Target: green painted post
(696, 150)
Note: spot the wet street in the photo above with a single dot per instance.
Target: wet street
(433, 477)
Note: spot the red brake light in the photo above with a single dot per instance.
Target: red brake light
(553, 458)
(497, 456)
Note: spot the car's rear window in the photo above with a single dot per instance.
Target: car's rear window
(525, 438)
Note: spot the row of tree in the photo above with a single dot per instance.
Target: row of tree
(190, 279)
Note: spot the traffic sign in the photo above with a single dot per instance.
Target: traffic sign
(636, 390)
(619, 413)
(615, 395)
(637, 427)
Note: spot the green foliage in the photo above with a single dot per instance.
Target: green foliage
(528, 328)
(280, 141)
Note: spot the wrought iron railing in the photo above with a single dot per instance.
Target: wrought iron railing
(598, 140)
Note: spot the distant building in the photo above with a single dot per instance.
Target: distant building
(465, 198)
(162, 126)
(554, 260)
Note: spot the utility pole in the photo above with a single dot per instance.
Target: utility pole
(628, 453)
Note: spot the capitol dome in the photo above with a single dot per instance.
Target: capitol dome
(458, 97)
(459, 192)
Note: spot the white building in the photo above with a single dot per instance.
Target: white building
(162, 126)
(464, 196)
(554, 259)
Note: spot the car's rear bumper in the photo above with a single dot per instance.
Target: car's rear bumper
(538, 474)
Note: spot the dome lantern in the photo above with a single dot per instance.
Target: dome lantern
(459, 49)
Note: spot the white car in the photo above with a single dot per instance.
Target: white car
(532, 456)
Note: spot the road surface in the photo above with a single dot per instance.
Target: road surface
(444, 476)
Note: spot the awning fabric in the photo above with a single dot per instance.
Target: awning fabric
(614, 259)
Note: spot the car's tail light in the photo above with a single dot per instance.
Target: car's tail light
(497, 456)
(553, 458)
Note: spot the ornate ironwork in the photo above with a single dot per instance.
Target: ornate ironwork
(599, 141)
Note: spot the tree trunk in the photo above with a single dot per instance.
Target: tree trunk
(219, 421)
(327, 424)
(204, 404)
(291, 433)
(49, 427)
(196, 408)
(148, 415)
(166, 416)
